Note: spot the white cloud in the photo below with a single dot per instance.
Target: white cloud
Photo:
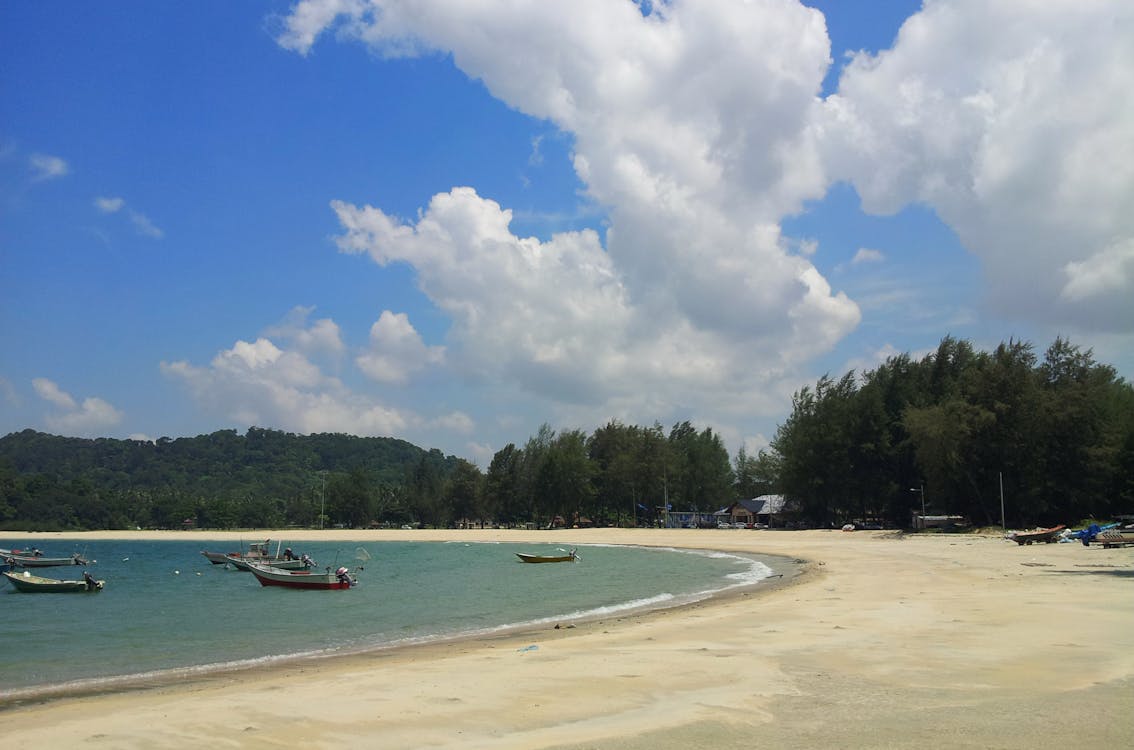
(141, 223)
(692, 127)
(396, 350)
(46, 167)
(309, 18)
(456, 421)
(535, 159)
(257, 383)
(1106, 272)
(9, 392)
(90, 417)
(1012, 120)
(867, 255)
(144, 226)
(699, 127)
(320, 337)
(49, 391)
(109, 205)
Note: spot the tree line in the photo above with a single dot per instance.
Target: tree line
(952, 431)
(958, 430)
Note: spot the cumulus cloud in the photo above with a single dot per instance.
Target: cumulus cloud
(74, 418)
(1012, 120)
(46, 167)
(49, 391)
(258, 383)
(396, 350)
(691, 126)
(322, 336)
(1107, 272)
(699, 126)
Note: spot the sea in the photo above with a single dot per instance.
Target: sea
(167, 612)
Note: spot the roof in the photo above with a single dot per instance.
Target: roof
(765, 504)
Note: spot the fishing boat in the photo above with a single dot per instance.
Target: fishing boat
(303, 562)
(1047, 536)
(302, 579)
(30, 584)
(569, 557)
(39, 561)
(218, 558)
(258, 552)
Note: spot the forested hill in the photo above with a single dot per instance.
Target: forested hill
(66, 476)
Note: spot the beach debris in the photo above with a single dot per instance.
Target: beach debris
(532, 647)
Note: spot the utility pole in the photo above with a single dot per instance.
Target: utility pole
(323, 500)
(1003, 526)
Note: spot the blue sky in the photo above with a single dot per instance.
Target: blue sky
(451, 222)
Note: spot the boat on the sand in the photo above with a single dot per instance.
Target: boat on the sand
(1047, 536)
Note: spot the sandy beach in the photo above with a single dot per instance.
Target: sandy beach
(884, 641)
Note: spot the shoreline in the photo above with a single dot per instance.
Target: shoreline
(881, 640)
(784, 571)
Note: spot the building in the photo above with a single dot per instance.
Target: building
(766, 510)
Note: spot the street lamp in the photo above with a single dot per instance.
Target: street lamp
(921, 490)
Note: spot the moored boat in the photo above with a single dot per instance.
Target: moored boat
(569, 557)
(217, 558)
(39, 561)
(303, 562)
(29, 584)
(258, 552)
(302, 579)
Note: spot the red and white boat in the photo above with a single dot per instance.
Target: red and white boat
(303, 579)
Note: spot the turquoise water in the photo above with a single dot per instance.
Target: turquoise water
(166, 609)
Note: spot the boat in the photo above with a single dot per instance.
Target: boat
(259, 552)
(303, 562)
(218, 558)
(1047, 536)
(1114, 537)
(38, 561)
(32, 552)
(29, 584)
(302, 579)
(569, 557)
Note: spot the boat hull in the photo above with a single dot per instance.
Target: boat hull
(217, 558)
(1047, 536)
(30, 584)
(277, 563)
(297, 579)
(23, 561)
(545, 558)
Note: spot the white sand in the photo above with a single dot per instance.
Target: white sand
(887, 641)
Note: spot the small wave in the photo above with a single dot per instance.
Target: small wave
(115, 682)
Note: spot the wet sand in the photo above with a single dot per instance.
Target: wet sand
(884, 640)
